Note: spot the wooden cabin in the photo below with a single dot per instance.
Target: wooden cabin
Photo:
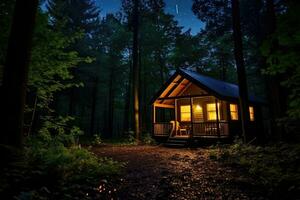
(194, 106)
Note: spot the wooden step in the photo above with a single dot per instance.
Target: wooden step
(176, 142)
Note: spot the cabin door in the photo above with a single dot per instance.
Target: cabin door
(183, 117)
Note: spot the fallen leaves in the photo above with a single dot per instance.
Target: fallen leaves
(164, 173)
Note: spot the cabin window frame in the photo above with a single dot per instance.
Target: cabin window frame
(198, 112)
(186, 112)
(251, 113)
(211, 110)
(235, 112)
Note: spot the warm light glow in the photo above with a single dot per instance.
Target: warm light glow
(185, 113)
(198, 113)
(198, 108)
(211, 111)
(251, 112)
(234, 112)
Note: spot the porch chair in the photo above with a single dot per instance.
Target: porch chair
(179, 130)
(175, 127)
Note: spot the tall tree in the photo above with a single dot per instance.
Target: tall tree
(115, 40)
(135, 66)
(282, 58)
(79, 18)
(16, 72)
(239, 58)
(276, 96)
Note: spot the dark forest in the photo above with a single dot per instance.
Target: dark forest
(133, 104)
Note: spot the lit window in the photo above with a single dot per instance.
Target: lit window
(234, 112)
(211, 111)
(198, 113)
(251, 112)
(185, 113)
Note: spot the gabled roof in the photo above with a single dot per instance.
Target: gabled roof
(221, 89)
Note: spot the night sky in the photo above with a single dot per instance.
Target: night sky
(184, 16)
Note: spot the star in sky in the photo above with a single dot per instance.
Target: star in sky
(181, 9)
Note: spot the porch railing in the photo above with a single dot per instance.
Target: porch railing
(210, 129)
(162, 129)
(199, 129)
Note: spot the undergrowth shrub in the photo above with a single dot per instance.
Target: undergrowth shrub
(146, 138)
(96, 139)
(53, 166)
(275, 167)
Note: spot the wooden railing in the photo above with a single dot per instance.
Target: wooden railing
(162, 129)
(198, 129)
(210, 129)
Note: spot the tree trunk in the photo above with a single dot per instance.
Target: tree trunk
(127, 114)
(136, 68)
(94, 103)
(242, 78)
(111, 102)
(16, 72)
(276, 95)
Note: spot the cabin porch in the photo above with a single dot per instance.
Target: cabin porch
(199, 116)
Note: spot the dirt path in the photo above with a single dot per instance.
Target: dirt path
(155, 172)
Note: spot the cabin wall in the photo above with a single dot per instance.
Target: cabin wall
(200, 103)
(199, 108)
(255, 127)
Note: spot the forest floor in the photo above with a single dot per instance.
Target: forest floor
(156, 172)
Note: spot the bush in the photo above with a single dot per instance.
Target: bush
(146, 138)
(97, 140)
(275, 167)
(55, 167)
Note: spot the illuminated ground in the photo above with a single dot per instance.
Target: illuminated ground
(155, 172)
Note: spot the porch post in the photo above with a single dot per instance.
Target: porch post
(153, 119)
(217, 117)
(175, 117)
(154, 114)
(192, 117)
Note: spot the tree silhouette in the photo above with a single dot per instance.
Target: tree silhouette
(16, 72)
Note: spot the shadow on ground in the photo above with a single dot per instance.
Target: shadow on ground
(155, 172)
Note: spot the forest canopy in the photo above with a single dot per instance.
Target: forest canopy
(81, 65)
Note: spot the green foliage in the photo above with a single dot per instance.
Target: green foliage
(131, 137)
(146, 138)
(59, 129)
(96, 140)
(51, 166)
(213, 154)
(282, 53)
(275, 167)
(51, 64)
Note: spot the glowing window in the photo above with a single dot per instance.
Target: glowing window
(234, 115)
(251, 112)
(211, 111)
(185, 113)
(198, 113)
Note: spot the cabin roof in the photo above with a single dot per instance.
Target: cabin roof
(219, 88)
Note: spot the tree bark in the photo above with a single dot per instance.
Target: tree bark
(111, 102)
(127, 114)
(276, 94)
(16, 72)
(242, 78)
(136, 68)
(93, 109)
